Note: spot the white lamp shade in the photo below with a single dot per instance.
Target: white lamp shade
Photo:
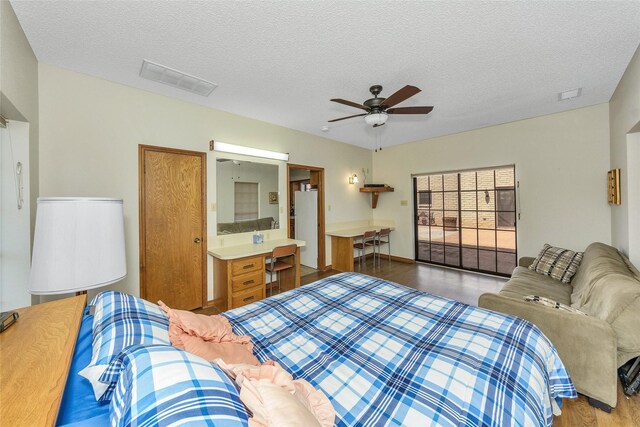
(78, 245)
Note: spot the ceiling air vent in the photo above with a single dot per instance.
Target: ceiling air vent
(569, 94)
(169, 76)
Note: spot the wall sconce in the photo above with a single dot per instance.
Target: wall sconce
(353, 179)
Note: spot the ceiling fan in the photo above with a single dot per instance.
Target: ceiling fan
(378, 109)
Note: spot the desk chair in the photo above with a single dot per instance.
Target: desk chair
(367, 240)
(275, 266)
(382, 238)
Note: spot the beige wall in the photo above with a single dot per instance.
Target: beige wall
(624, 115)
(561, 162)
(633, 196)
(90, 130)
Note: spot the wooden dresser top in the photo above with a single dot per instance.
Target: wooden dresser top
(35, 355)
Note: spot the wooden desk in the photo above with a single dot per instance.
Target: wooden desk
(342, 245)
(239, 272)
(35, 355)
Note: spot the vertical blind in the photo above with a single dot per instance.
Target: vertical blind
(246, 201)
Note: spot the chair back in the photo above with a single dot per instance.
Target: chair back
(282, 251)
(369, 235)
(384, 232)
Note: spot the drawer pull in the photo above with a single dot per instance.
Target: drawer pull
(244, 267)
(248, 282)
(248, 298)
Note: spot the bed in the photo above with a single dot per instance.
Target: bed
(385, 354)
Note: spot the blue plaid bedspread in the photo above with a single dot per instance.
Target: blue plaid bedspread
(386, 354)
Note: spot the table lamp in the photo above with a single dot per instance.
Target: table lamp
(78, 245)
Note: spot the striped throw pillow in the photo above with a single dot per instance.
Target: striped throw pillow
(557, 263)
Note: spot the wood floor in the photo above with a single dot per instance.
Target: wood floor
(467, 287)
(447, 282)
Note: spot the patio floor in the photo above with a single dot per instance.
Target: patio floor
(480, 250)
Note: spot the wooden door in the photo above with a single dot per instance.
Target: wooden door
(173, 226)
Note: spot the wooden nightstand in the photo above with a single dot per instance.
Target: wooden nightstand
(35, 355)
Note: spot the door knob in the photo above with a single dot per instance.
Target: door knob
(197, 240)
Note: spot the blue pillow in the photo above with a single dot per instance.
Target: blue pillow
(163, 385)
(120, 321)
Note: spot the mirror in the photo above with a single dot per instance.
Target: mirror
(247, 196)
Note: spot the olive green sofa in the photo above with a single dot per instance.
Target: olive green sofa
(607, 288)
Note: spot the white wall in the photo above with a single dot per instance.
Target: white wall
(228, 173)
(561, 162)
(19, 102)
(633, 196)
(15, 245)
(624, 114)
(90, 130)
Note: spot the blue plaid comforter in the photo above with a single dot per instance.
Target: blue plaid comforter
(385, 354)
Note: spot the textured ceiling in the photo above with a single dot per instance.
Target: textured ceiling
(478, 63)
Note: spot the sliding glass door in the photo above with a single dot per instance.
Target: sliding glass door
(467, 219)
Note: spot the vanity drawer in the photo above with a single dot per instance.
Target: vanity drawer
(247, 265)
(244, 298)
(247, 281)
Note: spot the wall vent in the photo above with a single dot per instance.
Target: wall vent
(178, 79)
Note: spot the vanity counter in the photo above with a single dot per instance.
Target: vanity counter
(241, 251)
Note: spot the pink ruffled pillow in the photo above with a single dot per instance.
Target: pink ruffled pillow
(209, 337)
(276, 399)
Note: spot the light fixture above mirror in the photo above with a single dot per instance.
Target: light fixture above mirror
(247, 151)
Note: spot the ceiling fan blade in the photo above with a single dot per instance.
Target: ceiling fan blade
(404, 93)
(410, 110)
(348, 117)
(350, 104)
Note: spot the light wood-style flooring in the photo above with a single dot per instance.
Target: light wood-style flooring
(467, 287)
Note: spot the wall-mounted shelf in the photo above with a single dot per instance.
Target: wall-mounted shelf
(375, 192)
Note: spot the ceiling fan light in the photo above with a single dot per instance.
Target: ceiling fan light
(376, 118)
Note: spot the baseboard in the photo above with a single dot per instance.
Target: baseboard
(328, 268)
(399, 259)
(393, 258)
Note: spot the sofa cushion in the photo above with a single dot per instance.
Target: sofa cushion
(599, 260)
(526, 282)
(615, 298)
(557, 263)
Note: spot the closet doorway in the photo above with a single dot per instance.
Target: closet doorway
(467, 219)
(305, 199)
(172, 219)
